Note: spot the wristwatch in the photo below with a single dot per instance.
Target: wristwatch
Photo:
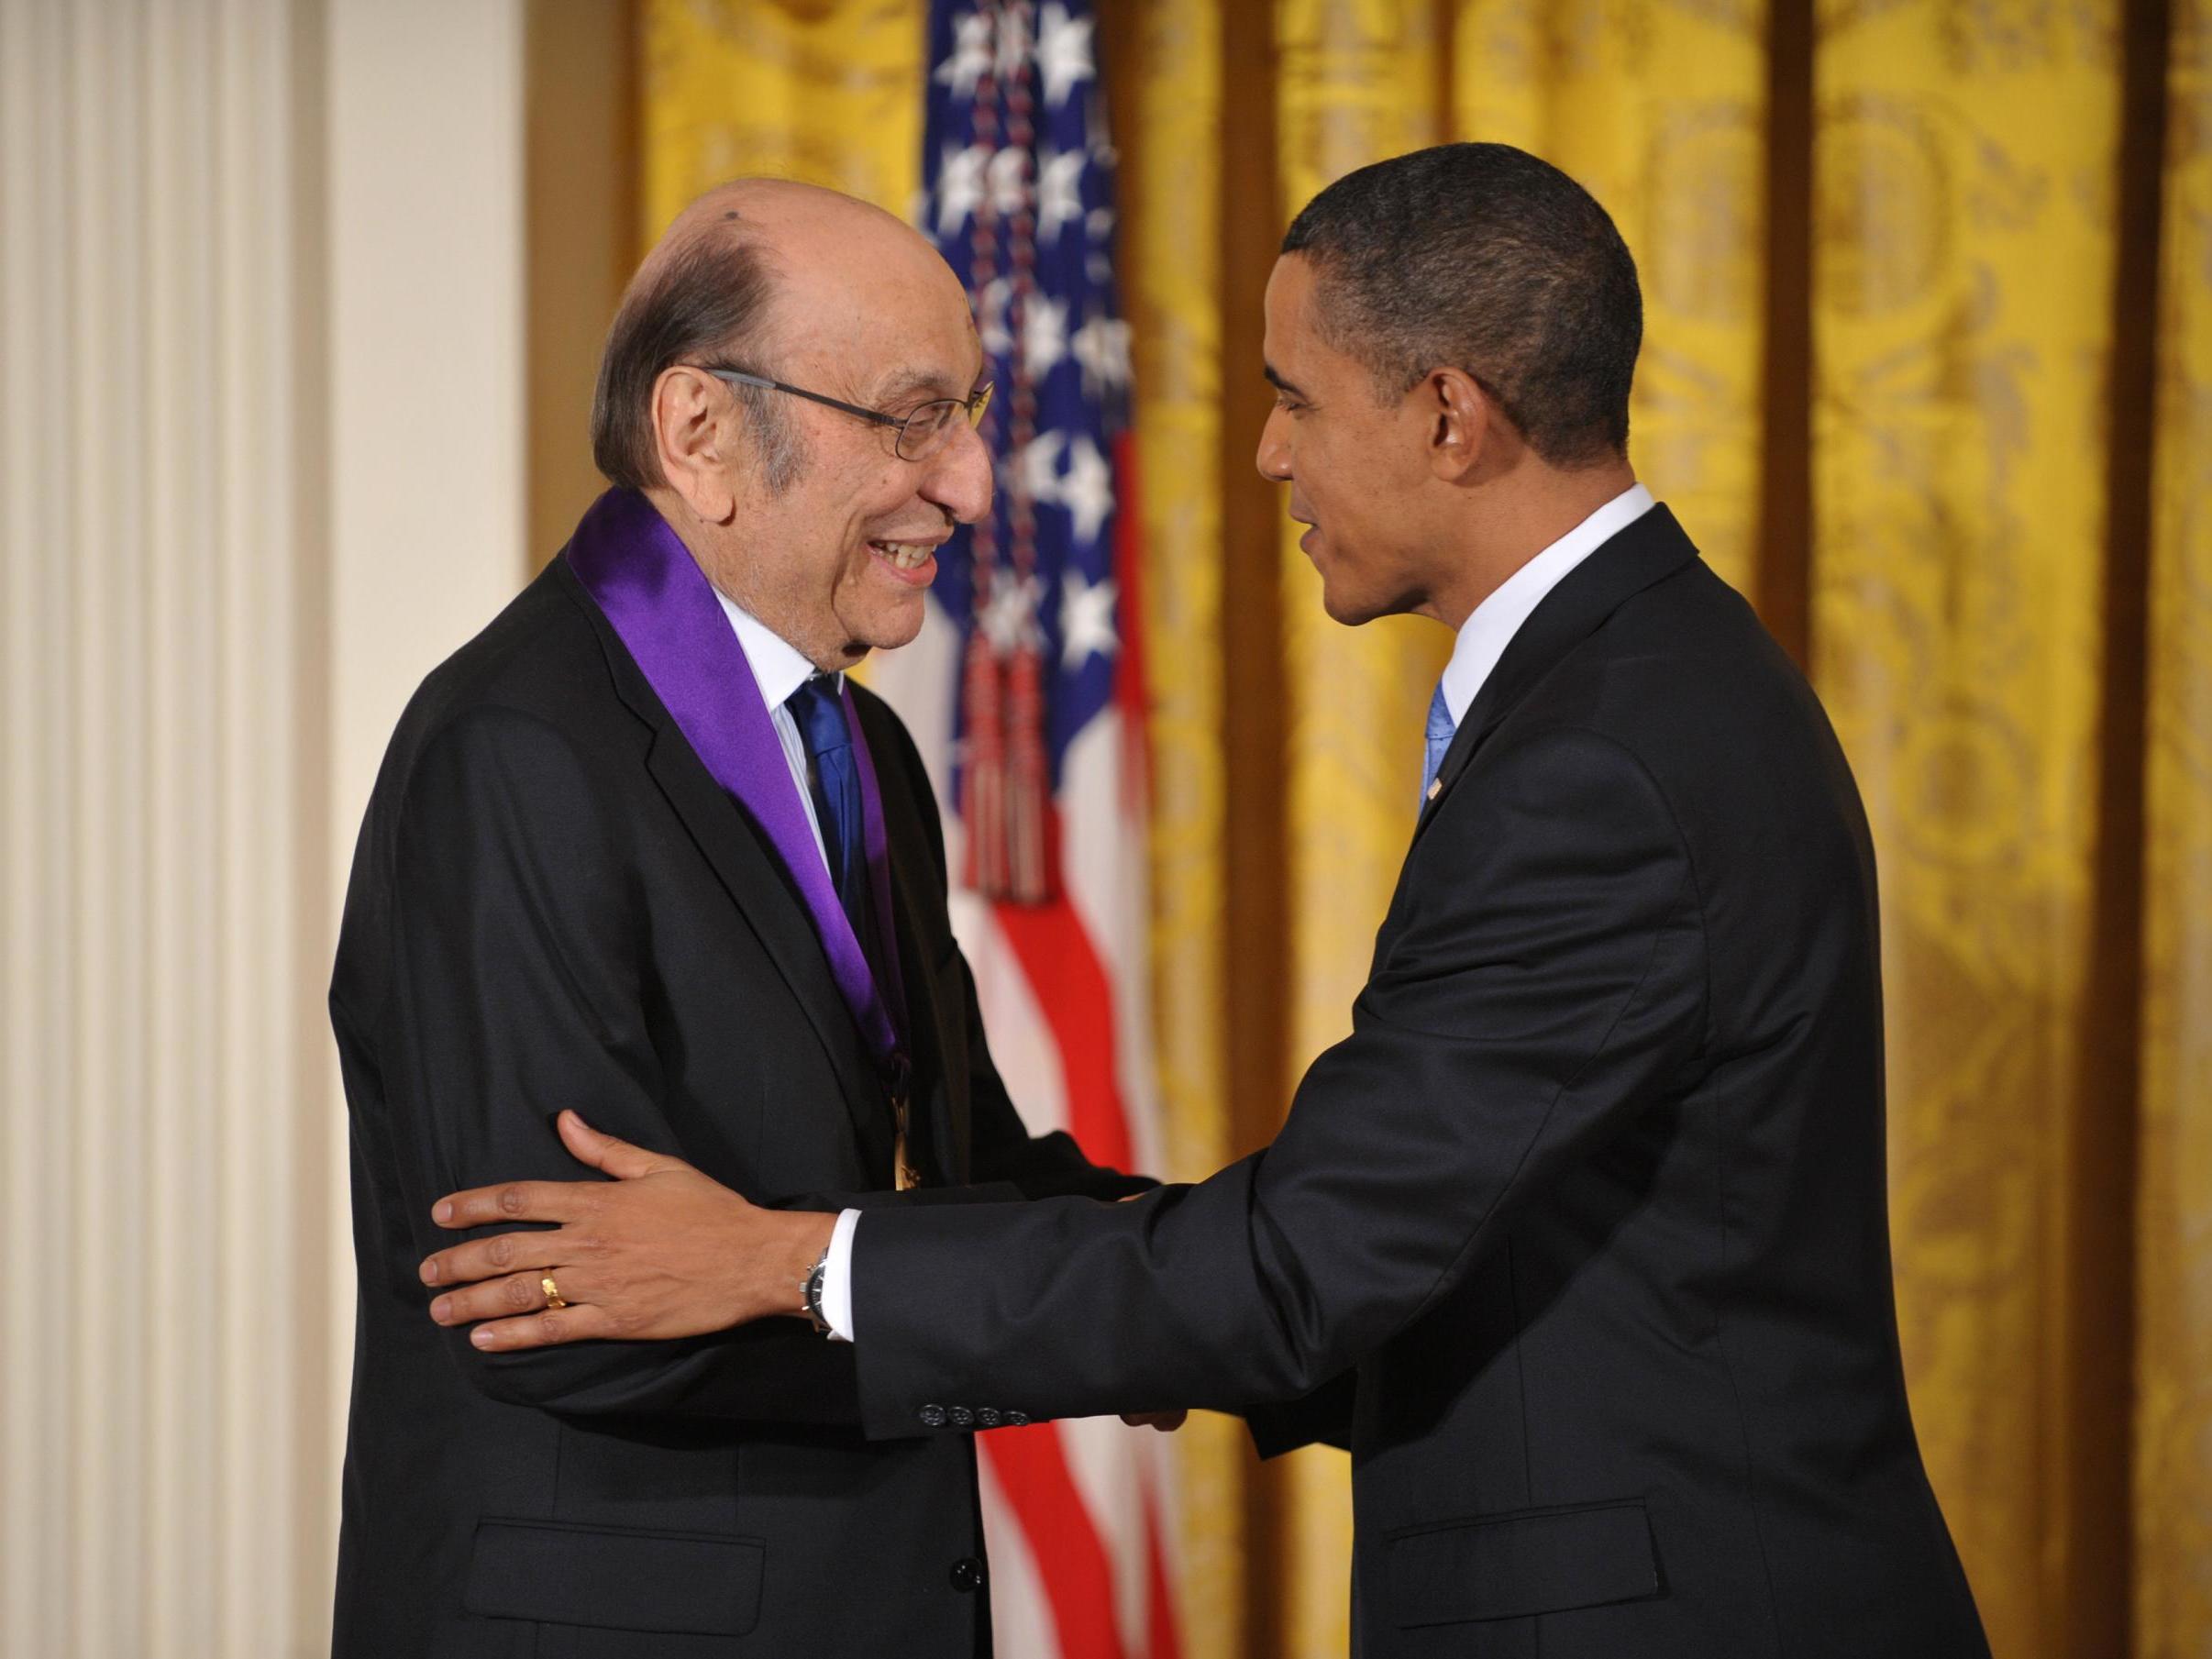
(810, 1295)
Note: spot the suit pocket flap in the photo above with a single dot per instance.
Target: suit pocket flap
(1509, 1566)
(615, 1578)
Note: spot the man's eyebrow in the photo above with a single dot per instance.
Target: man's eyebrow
(1277, 382)
(913, 382)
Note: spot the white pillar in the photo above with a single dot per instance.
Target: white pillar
(426, 468)
(261, 441)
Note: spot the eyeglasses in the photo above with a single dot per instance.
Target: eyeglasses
(922, 431)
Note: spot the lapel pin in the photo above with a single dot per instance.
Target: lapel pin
(1435, 787)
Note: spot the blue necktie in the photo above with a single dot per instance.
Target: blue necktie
(1441, 728)
(818, 713)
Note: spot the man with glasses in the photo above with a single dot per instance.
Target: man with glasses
(639, 848)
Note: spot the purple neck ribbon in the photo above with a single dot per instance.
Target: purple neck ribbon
(666, 612)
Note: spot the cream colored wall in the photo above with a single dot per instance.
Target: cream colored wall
(260, 466)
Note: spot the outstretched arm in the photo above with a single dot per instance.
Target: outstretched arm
(1546, 984)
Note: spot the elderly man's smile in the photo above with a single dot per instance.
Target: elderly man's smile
(913, 562)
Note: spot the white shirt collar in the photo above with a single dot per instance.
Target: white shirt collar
(1484, 636)
(779, 667)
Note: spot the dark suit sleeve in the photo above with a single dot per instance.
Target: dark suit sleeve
(1545, 982)
(1323, 1418)
(516, 943)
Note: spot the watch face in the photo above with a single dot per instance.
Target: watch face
(813, 1302)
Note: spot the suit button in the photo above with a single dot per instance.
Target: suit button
(962, 1418)
(933, 1417)
(1017, 1419)
(967, 1573)
(986, 1417)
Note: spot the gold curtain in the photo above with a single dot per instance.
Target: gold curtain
(1928, 373)
(1963, 329)
(2172, 1453)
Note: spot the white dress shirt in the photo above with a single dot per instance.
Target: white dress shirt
(1483, 638)
(1484, 635)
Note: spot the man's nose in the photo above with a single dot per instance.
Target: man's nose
(958, 479)
(1274, 458)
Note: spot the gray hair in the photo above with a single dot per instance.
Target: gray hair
(706, 304)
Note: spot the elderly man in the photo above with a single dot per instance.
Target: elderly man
(638, 848)
(1579, 1239)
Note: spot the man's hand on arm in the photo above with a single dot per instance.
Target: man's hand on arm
(661, 1250)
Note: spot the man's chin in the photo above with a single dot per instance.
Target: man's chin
(886, 633)
(1353, 611)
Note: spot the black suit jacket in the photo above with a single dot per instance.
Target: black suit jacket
(553, 904)
(1590, 1203)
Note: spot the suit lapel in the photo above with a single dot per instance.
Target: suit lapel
(916, 896)
(1647, 551)
(932, 1125)
(747, 867)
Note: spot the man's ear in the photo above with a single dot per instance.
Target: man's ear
(695, 437)
(1464, 423)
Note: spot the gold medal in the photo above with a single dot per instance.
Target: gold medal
(904, 1176)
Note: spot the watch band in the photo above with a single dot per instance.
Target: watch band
(810, 1295)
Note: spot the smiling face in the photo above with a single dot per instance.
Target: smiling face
(1360, 471)
(864, 310)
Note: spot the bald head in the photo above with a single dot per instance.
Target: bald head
(751, 275)
(801, 220)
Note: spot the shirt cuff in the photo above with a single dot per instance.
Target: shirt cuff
(837, 1278)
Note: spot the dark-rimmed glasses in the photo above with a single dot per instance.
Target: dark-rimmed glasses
(922, 431)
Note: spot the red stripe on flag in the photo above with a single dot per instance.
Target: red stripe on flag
(1074, 993)
(1030, 1468)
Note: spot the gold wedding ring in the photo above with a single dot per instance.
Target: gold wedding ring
(552, 1293)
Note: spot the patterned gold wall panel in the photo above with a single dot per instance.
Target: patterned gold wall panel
(1659, 109)
(2173, 1415)
(1359, 81)
(825, 91)
(1961, 318)
(1171, 275)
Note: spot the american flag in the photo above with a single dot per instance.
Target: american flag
(1024, 693)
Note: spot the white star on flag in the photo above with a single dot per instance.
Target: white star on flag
(1102, 346)
(990, 315)
(1009, 620)
(971, 56)
(1008, 172)
(1063, 51)
(1086, 489)
(1040, 466)
(1044, 334)
(960, 186)
(1060, 189)
(1087, 619)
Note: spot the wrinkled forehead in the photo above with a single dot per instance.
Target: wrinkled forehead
(879, 320)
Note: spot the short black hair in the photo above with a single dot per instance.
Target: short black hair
(1483, 258)
(707, 304)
